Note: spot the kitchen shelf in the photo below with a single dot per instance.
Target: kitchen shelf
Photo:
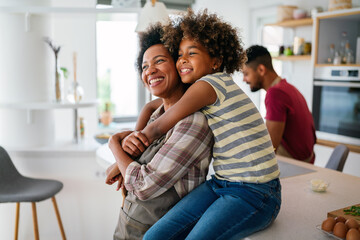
(336, 65)
(31, 106)
(341, 14)
(293, 23)
(47, 105)
(293, 58)
(46, 10)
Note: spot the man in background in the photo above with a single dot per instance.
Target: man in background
(288, 118)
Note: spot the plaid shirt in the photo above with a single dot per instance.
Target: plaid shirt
(181, 162)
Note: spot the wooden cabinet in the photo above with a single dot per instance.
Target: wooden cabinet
(293, 23)
(328, 30)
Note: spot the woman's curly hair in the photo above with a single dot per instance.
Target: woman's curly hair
(152, 36)
(218, 37)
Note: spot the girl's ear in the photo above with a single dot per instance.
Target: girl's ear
(217, 63)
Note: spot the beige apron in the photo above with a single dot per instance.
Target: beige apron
(137, 216)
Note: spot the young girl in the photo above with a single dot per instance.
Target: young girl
(244, 195)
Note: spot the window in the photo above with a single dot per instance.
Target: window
(117, 79)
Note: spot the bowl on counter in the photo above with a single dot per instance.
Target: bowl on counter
(102, 138)
(319, 185)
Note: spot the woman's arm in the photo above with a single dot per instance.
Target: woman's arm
(199, 95)
(121, 157)
(146, 112)
(188, 144)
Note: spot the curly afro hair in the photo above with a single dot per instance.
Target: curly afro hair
(152, 36)
(218, 37)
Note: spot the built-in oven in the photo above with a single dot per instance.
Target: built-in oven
(336, 103)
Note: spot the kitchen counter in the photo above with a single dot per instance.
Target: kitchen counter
(61, 148)
(302, 209)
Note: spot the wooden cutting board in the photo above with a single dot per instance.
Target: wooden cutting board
(340, 212)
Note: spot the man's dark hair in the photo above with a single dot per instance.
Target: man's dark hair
(258, 55)
(151, 37)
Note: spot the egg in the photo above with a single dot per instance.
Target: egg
(340, 230)
(340, 219)
(328, 224)
(352, 223)
(353, 234)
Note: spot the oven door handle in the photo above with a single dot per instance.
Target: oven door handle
(337, 84)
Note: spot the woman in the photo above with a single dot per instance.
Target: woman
(170, 167)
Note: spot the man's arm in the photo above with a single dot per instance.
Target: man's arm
(199, 95)
(276, 131)
(190, 142)
(276, 102)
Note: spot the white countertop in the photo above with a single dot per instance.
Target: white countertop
(63, 148)
(302, 209)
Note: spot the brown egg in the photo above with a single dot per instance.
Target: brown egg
(340, 230)
(340, 219)
(328, 224)
(353, 234)
(352, 223)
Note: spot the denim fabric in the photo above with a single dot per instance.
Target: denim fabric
(219, 209)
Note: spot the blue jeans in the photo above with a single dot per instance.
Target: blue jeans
(219, 209)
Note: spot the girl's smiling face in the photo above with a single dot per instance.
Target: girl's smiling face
(194, 61)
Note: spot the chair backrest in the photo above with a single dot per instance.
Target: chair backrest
(8, 170)
(338, 158)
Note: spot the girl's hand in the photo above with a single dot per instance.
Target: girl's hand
(135, 143)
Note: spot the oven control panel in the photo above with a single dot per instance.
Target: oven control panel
(337, 73)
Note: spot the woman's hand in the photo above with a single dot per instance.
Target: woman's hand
(134, 143)
(113, 174)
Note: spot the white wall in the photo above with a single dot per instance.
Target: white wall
(76, 33)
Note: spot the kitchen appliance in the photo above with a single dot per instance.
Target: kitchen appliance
(336, 103)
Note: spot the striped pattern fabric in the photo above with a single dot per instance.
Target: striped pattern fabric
(243, 150)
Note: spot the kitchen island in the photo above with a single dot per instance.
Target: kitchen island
(302, 209)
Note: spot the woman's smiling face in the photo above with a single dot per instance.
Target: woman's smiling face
(159, 72)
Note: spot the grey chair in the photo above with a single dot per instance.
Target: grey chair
(338, 158)
(16, 188)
